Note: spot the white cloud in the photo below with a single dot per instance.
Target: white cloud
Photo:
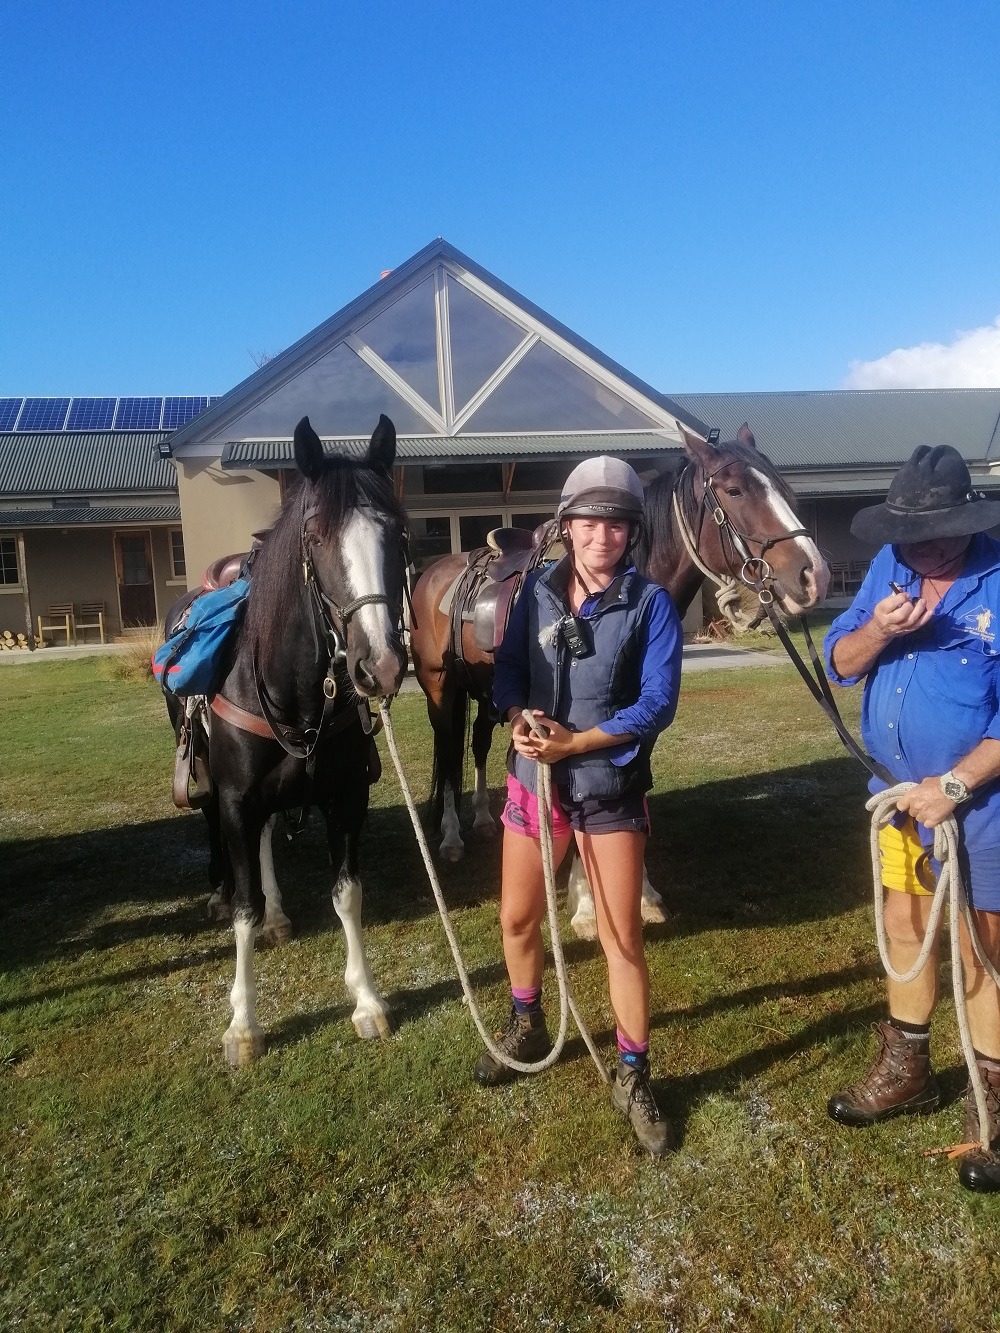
(971, 361)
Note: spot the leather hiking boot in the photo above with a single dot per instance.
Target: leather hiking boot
(980, 1171)
(632, 1095)
(525, 1038)
(900, 1082)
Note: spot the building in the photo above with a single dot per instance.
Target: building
(493, 401)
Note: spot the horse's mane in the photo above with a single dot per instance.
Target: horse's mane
(276, 581)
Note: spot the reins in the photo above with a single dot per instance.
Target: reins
(567, 1005)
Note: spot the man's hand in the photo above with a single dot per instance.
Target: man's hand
(897, 615)
(927, 803)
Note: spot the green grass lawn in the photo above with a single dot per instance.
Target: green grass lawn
(348, 1186)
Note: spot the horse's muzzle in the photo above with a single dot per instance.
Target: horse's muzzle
(380, 675)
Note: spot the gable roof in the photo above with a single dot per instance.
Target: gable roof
(323, 340)
(842, 428)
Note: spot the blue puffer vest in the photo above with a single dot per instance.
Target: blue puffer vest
(581, 692)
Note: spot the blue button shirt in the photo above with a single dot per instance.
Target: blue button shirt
(933, 695)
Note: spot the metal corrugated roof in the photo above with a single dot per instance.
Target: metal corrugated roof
(276, 454)
(86, 462)
(855, 427)
(96, 515)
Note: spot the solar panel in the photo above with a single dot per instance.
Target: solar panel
(178, 411)
(138, 413)
(9, 408)
(43, 414)
(91, 414)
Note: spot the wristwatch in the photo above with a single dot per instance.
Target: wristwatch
(954, 788)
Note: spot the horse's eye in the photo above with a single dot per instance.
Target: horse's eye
(734, 491)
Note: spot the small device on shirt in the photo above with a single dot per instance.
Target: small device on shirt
(573, 636)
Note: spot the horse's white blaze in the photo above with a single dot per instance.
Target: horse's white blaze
(817, 574)
(364, 550)
(452, 845)
(483, 821)
(370, 1017)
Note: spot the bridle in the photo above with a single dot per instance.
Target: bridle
(742, 566)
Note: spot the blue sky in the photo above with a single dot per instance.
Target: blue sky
(722, 196)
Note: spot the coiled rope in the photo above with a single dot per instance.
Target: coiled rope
(950, 887)
(567, 1005)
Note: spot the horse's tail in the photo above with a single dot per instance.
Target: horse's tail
(450, 744)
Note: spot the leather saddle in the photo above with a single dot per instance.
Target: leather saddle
(490, 584)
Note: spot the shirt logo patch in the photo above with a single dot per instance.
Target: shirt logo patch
(979, 622)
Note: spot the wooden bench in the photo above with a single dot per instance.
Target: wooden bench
(60, 618)
(92, 617)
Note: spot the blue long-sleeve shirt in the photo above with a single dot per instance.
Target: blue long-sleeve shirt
(933, 695)
(661, 640)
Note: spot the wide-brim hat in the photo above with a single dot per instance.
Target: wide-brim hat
(930, 496)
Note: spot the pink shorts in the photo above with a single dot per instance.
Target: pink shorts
(520, 813)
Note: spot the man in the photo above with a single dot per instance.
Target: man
(923, 632)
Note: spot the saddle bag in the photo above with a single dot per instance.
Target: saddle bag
(193, 658)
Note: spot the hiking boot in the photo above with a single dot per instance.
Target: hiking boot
(980, 1171)
(632, 1095)
(525, 1038)
(900, 1082)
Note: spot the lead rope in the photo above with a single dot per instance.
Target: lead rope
(567, 1004)
(946, 845)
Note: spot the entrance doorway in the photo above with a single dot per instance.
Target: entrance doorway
(136, 594)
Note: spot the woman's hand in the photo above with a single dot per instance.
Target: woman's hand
(549, 749)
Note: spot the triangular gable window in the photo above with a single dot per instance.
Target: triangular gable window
(339, 394)
(545, 391)
(481, 340)
(405, 337)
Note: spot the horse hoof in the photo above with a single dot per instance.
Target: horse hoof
(243, 1048)
(452, 854)
(277, 933)
(372, 1023)
(487, 829)
(584, 927)
(218, 908)
(654, 914)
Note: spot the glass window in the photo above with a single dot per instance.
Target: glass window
(531, 521)
(339, 394)
(8, 562)
(405, 337)
(430, 538)
(178, 566)
(547, 392)
(135, 564)
(462, 478)
(481, 340)
(474, 527)
(541, 476)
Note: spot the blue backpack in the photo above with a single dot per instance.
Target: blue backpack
(193, 658)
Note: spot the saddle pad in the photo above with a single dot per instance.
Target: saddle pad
(449, 595)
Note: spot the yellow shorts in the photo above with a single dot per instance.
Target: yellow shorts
(905, 864)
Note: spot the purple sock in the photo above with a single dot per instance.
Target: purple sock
(527, 999)
(634, 1053)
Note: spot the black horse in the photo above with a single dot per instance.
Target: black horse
(289, 726)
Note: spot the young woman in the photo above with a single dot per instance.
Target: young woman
(594, 650)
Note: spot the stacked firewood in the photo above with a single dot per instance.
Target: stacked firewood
(12, 642)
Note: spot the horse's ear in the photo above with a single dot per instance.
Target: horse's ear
(382, 447)
(308, 450)
(700, 450)
(745, 436)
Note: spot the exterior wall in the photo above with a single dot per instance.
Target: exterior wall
(833, 528)
(220, 510)
(167, 588)
(72, 565)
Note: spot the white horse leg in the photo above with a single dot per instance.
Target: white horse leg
(654, 913)
(483, 824)
(371, 1013)
(277, 929)
(580, 902)
(452, 847)
(244, 1038)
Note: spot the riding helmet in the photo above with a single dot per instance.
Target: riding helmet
(601, 488)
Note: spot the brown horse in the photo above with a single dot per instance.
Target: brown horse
(723, 502)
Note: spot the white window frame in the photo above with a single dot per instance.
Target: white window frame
(175, 579)
(19, 585)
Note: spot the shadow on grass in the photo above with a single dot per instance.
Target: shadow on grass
(772, 848)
